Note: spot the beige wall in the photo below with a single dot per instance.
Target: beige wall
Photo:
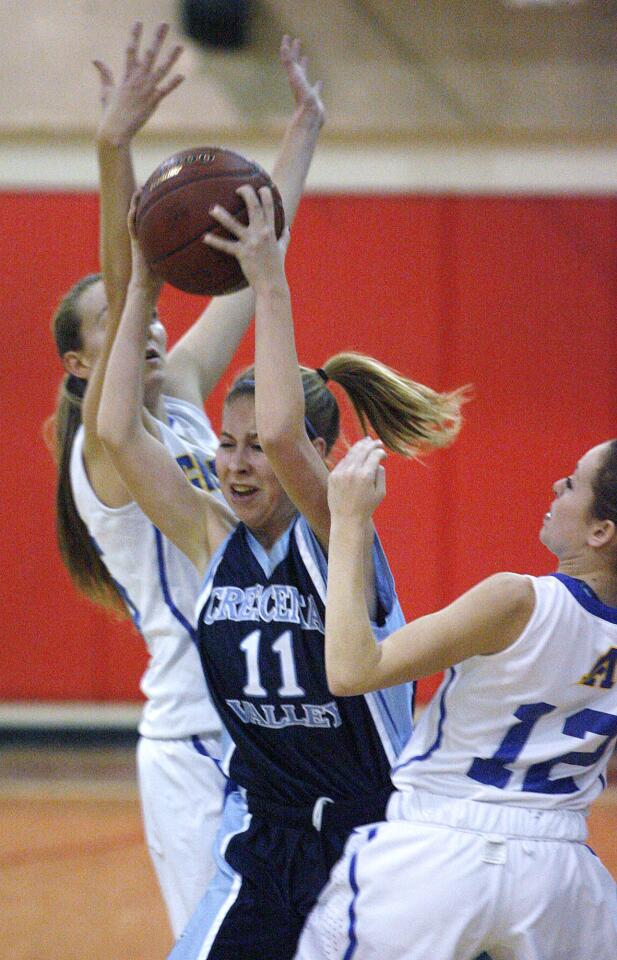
(446, 94)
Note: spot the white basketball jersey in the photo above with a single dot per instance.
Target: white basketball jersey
(157, 581)
(534, 725)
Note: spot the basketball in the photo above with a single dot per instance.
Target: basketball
(174, 214)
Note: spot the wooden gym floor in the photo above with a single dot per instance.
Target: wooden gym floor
(75, 877)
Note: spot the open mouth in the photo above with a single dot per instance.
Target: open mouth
(152, 354)
(242, 491)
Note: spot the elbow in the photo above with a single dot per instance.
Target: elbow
(280, 431)
(104, 432)
(110, 434)
(279, 439)
(351, 674)
(278, 448)
(342, 685)
(274, 436)
(338, 689)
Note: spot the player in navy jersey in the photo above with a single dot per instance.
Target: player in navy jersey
(113, 552)
(484, 843)
(310, 766)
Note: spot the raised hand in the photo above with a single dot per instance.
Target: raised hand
(357, 485)
(256, 248)
(307, 97)
(146, 81)
(141, 274)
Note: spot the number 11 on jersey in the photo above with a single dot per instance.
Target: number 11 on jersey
(284, 648)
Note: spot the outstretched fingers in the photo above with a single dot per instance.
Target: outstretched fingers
(131, 102)
(219, 243)
(232, 225)
(154, 49)
(260, 210)
(132, 50)
(146, 67)
(290, 49)
(252, 202)
(106, 78)
(255, 246)
(165, 68)
(306, 95)
(267, 206)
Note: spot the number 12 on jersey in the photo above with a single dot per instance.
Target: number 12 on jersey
(494, 771)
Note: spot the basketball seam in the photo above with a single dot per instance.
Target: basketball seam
(201, 233)
(142, 209)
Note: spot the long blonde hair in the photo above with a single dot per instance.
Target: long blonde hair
(409, 417)
(77, 549)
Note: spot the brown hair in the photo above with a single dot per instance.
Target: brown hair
(410, 418)
(604, 487)
(77, 549)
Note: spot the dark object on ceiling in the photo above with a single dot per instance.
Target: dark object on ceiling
(216, 23)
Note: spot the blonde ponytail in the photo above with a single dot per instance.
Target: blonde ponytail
(409, 417)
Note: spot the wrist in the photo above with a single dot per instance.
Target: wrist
(112, 140)
(144, 288)
(347, 527)
(273, 289)
(309, 116)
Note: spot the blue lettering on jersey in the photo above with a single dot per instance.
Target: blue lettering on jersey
(602, 674)
(494, 771)
(278, 715)
(277, 602)
(200, 474)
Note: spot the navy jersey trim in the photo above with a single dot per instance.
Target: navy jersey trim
(442, 719)
(202, 750)
(124, 594)
(352, 939)
(165, 587)
(587, 598)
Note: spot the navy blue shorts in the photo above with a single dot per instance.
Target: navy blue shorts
(269, 876)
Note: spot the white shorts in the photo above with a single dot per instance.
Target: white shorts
(181, 793)
(446, 879)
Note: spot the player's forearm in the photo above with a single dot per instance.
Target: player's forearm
(116, 186)
(207, 348)
(295, 156)
(352, 653)
(279, 412)
(122, 396)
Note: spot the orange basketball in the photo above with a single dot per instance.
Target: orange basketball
(174, 214)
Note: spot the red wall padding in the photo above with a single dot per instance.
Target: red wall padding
(516, 296)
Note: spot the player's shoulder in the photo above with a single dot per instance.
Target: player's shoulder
(510, 593)
(182, 406)
(516, 584)
(500, 608)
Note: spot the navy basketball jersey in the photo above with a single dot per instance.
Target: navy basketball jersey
(261, 640)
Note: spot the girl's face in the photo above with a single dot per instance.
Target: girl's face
(247, 480)
(92, 308)
(567, 526)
